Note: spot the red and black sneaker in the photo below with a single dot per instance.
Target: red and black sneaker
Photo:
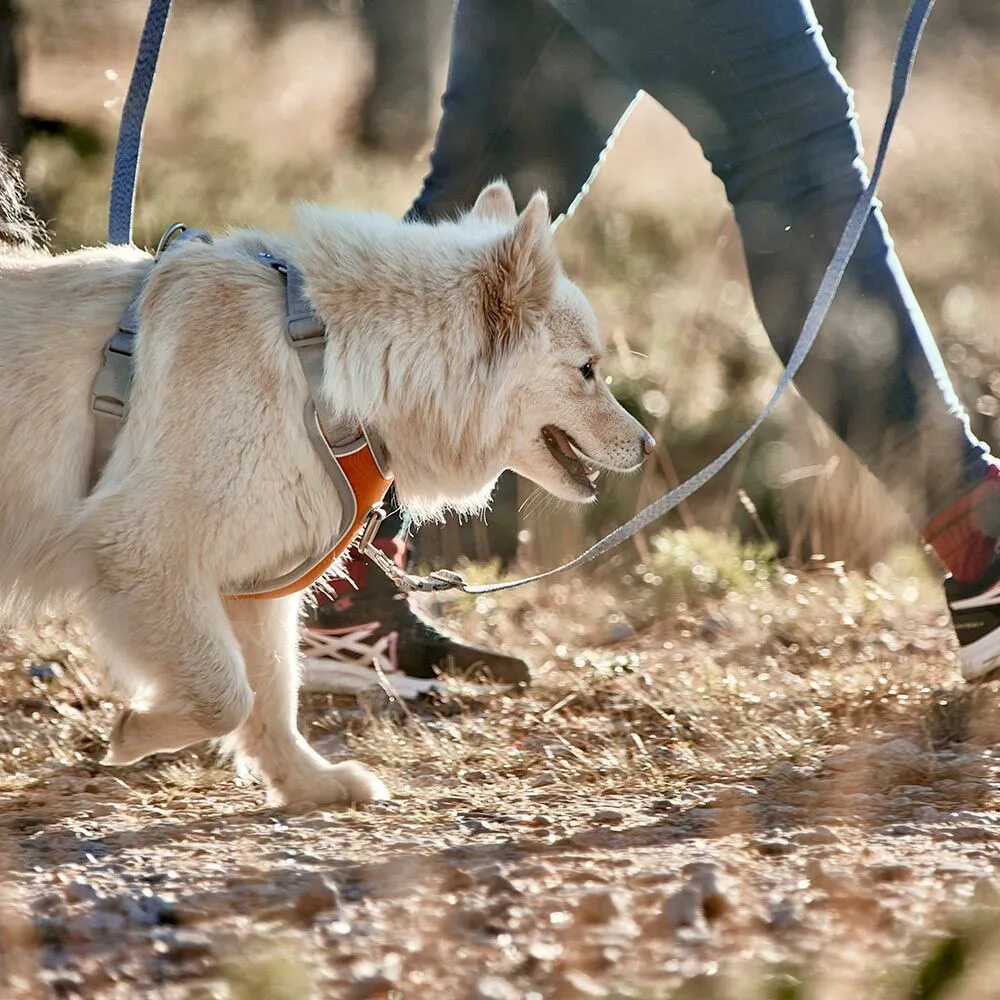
(374, 636)
(975, 613)
(973, 585)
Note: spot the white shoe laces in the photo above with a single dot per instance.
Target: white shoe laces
(355, 658)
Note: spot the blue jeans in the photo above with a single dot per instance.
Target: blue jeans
(535, 87)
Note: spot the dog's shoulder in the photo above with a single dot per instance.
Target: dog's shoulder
(221, 285)
(215, 313)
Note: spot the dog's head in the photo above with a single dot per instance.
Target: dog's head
(564, 423)
(468, 350)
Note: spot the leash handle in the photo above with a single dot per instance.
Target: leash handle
(122, 201)
(906, 52)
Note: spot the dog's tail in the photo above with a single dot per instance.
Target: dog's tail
(20, 228)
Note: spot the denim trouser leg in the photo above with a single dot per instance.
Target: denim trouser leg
(754, 84)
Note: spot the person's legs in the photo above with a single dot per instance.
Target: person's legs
(527, 100)
(754, 83)
(394, 115)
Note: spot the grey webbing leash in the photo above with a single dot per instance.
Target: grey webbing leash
(442, 580)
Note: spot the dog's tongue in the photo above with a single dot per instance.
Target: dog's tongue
(562, 441)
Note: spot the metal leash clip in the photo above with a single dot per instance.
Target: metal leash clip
(373, 520)
(442, 579)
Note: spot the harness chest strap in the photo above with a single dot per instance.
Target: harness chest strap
(355, 462)
(361, 482)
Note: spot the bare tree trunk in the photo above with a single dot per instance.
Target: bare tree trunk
(396, 112)
(11, 125)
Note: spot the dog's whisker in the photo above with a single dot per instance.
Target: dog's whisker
(526, 503)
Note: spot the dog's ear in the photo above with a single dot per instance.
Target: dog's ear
(495, 202)
(518, 275)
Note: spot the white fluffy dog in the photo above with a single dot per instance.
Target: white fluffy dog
(461, 344)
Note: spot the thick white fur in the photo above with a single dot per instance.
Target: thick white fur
(455, 342)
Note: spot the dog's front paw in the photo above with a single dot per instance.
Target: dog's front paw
(138, 734)
(345, 784)
(127, 743)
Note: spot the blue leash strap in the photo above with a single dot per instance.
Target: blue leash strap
(130, 129)
(906, 52)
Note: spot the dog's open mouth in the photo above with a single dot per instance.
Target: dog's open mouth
(569, 455)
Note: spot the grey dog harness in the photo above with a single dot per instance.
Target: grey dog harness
(341, 446)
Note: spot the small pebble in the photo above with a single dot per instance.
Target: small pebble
(316, 896)
(67, 984)
(501, 885)
(543, 778)
(373, 980)
(784, 916)
(970, 834)
(94, 926)
(818, 835)
(495, 988)
(608, 817)
(575, 985)
(187, 945)
(891, 873)
(715, 895)
(773, 848)
(682, 909)
(600, 907)
(544, 951)
(456, 879)
(467, 920)
(79, 891)
(376, 986)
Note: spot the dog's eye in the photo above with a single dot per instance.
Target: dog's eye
(587, 370)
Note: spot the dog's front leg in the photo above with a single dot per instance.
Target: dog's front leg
(175, 647)
(267, 631)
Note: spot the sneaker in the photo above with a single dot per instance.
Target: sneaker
(972, 588)
(376, 636)
(975, 613)
(352, 659)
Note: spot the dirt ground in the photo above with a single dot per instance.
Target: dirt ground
(794, 803)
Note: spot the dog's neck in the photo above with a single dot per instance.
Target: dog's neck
(405, 351)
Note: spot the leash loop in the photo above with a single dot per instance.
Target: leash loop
(370, 525)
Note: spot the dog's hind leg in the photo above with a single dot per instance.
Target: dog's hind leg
(268, 633)
(177, 647)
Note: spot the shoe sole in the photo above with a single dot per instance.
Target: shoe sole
(981, 659)
(326, 676)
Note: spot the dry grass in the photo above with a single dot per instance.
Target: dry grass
(765, 702)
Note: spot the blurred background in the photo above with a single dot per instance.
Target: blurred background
(262, 103)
